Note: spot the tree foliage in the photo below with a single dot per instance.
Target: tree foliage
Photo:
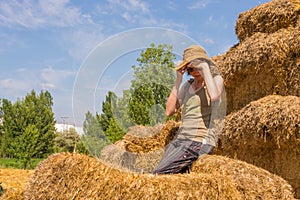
(69, 141)
(151, 85)
(107, 110)
(93, 138)
(28, 127)
(142, 104)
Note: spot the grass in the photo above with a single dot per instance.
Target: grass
(17, 164)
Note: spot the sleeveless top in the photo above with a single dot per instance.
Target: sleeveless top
(196, 116)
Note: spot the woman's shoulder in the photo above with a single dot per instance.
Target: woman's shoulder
(187, 84)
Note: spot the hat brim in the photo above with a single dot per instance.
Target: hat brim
(184, 63)
(181, 65)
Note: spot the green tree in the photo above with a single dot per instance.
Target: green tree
(27, 144)
(31, 115)
(68, 141)
(114, 132)
(144, 103)
(153, 78)
(108, 119)
(92, 127)
(93, 138)
(107, 110)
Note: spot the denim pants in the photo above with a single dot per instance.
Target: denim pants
(179, 156)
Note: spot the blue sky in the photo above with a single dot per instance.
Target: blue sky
(47, 44)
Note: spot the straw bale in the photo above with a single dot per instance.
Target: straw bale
(119, 158)
(13, 180)
(252, 182)
(262, 65)
(149, 142)
(141, 148)
(267, 18)
(75, 176)
(144, 131)
(266, 133)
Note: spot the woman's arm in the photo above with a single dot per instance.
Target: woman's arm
(173, 101)
(214, 85)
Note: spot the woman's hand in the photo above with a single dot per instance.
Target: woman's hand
(179, 75)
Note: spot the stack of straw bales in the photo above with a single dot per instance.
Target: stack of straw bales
(268, 18)
(75, 176)
(266, 61)
(262, 81)
(266, 133)
(141, 148)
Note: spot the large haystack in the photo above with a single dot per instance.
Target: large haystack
(252, 182)
(261, 65)
(267, 18)
(266, 60)
(75, 176)
(266, 133)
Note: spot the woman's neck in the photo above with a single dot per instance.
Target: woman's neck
(199, 81)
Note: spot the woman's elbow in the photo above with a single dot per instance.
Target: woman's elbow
(169, 112)
(215, 97)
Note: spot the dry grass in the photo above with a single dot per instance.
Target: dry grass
(267, 18)
(266, 133)
(262, 65)
(75, 176)
(13, 182)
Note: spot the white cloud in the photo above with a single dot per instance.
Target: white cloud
(24, 80)
(51, 78)
(209, 41)
(46, 86)
(199, 4)
(44, 13)
(10, 84)
(130, 5)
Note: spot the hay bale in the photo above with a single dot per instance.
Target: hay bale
(141, 148)
(12, 181)
(266, 133)
(137, 143)
(267, 18)
(116, 157)
(252, 182)
(75, 176)
(262, 65)
(144, 131)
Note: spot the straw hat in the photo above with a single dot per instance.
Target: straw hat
(191, 53)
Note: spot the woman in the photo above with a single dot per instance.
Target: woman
(196, 134)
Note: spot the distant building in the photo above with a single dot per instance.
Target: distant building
(61, 127)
